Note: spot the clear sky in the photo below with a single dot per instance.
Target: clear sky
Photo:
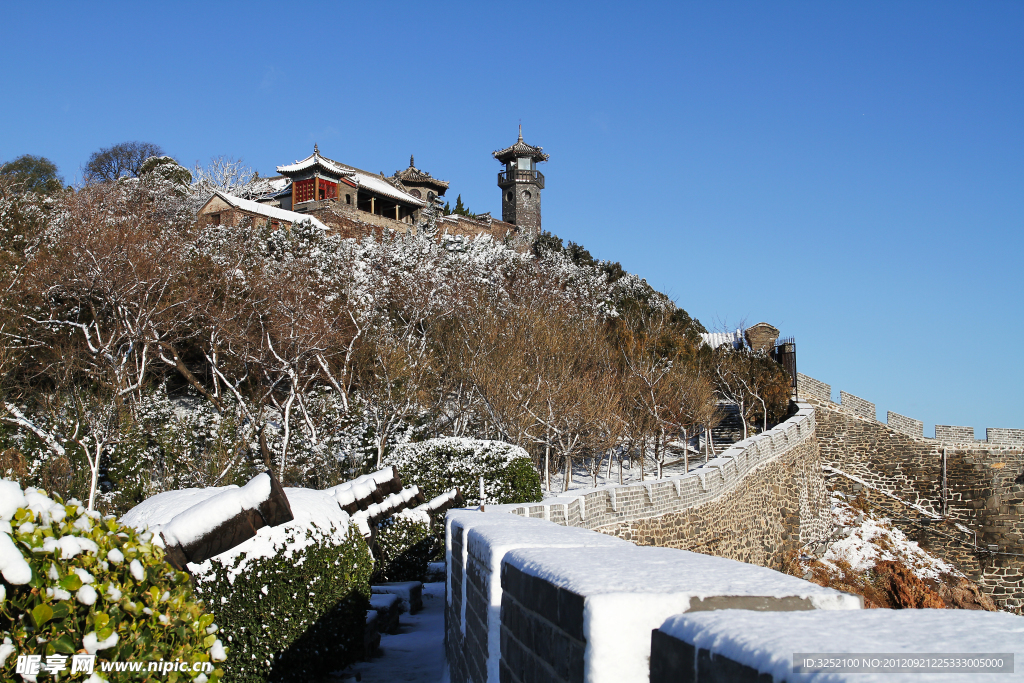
(851, 172)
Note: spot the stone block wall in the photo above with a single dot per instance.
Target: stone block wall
(858, 405)
(905, 425)
(778, 509)
(811, 389)
(528, 600)
(1004, 437)
(819, 393)
(954, 434)
(976, 522)
(755, 502)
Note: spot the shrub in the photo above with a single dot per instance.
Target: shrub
(404, 544)
(292, 601)
(438, 465)
(86, 582)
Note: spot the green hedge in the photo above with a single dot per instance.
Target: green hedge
(293, 610)
(403, 546)
(439, 465)
(93, 579)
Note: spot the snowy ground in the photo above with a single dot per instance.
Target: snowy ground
(582, 478)
(866, 539)
(413, 655)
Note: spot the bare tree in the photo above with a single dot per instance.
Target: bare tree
(123, 160)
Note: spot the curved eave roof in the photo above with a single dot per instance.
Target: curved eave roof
(520, 149)
(414, 175)
(314, 160)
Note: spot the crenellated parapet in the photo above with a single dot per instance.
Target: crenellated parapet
(816, 391)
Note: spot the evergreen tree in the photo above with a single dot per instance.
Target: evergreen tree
(33, 174)
(460, 208)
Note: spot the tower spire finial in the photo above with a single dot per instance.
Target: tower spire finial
(412, 161)
(520, 131)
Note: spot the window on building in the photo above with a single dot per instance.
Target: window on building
(348, 199)
(416, 194)
(302, 191)
(525, 163)
(214, 219)
(430, 196)
(509, 196)
(526, 194)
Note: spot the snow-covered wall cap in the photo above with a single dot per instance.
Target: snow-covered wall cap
(161, 508)
(632, 569)
(490, 535)
(312, 511)
(767, 641)
(202, 518)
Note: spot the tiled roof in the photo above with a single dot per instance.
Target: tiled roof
(272, 212)
(415, 175)
(380, 186)
(716, 339)
(370, 181)
(313, 160)
(520, 149)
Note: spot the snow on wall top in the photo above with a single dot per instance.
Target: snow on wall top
(717, 475)
(767, 641)
(201, 518)
(161, 508)
(312, 510)
(716, 339)
(632, 569)
(269, 211)
(490, 535)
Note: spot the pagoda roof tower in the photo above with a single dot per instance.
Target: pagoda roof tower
(520, 149)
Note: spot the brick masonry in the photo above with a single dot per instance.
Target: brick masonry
(905, 425)
(976, 522)
(777, 509)
(719, 509)
(858, 405)
(755, 502)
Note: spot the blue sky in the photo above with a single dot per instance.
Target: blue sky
(852, 173)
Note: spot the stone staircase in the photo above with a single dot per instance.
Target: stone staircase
(730, 430)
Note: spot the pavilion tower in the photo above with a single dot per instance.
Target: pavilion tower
(521, 183)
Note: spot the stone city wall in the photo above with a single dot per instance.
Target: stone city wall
(757, 501)
(963, 498)
(754, 502)
(528, 600)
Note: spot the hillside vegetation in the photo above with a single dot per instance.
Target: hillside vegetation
(144, 351)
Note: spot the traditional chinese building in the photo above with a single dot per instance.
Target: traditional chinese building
(521, 183)
(355, 202)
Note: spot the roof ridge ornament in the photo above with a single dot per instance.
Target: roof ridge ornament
(316, 150)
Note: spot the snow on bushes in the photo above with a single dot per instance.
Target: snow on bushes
(438, 465)
(75, 582)
(404, 544)
(291, 601)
